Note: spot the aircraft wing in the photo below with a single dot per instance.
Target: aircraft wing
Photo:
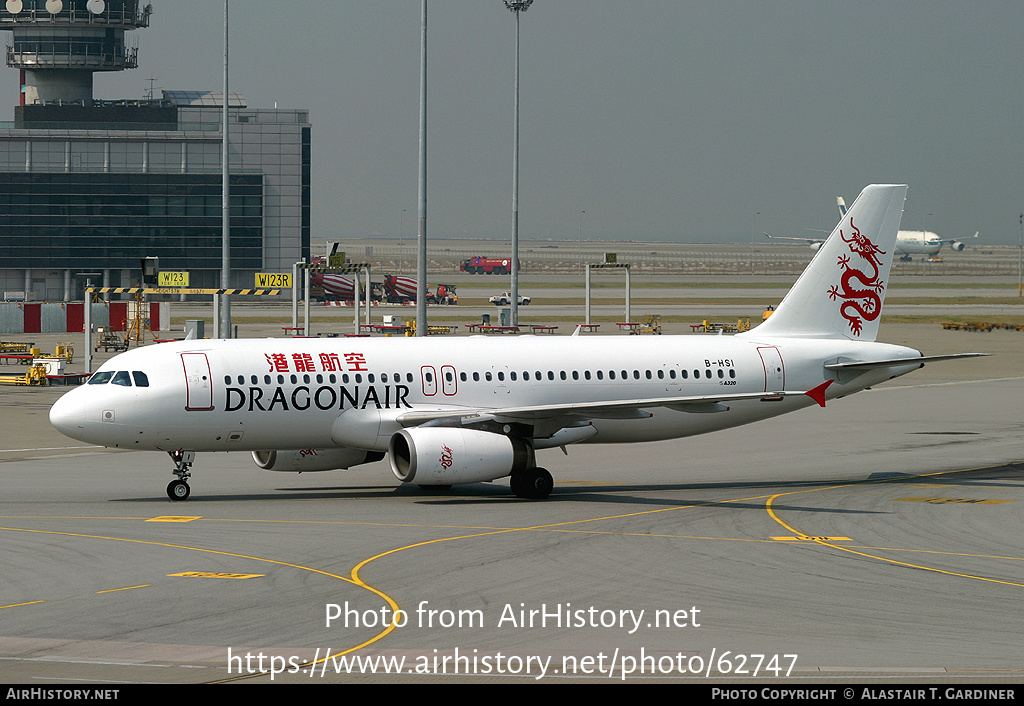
(618, 409)
(950, 241)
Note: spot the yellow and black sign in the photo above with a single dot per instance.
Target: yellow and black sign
(802, 538)
(173, 279)
(273, 279)
(184, 290)
(336, 260)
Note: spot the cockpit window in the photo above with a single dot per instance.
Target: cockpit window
(141, 380)
(101, 378)
(121, 377)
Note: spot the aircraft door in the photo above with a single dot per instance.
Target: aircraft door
(774, 370)
(198, 382)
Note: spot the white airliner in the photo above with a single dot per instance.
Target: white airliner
(476, 409)
(908, 242)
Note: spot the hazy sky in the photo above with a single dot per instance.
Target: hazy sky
(661, 119)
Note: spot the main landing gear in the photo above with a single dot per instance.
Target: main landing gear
(178, 489)
(532, 483)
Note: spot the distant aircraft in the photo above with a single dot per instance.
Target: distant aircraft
(908, 242)
(469, 410)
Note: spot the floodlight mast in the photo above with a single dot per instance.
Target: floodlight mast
(225, 248)
(421, 238)
(516, 6)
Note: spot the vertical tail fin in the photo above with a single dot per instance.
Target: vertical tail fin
(840, 294)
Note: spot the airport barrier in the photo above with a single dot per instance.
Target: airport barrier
(69, 317)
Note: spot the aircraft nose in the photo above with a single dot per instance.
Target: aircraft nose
(67, 415)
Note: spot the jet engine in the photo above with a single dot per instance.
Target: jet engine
(957, 246)
(304, 460)
(449, 455)
(816, 246)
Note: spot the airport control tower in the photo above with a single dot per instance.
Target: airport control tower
(93, 184)
(59, 44)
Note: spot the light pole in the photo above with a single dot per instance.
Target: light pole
(225, 251)
(516, 6)
(401, 244)
(581, 241)
(753, 239)
(1020, 260)
(421, 238)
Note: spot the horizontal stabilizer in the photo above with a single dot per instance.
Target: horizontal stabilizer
(891, 362)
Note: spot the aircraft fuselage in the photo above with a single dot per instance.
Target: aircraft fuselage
(315, 393)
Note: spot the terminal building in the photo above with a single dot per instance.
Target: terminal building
(94, 186)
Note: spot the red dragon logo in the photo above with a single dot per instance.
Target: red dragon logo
(861, 304)
(446, 457)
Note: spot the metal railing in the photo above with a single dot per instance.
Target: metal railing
(128, 16)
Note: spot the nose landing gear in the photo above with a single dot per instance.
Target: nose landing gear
(179, 489)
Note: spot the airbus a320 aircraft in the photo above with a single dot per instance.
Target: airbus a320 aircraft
(477, 409)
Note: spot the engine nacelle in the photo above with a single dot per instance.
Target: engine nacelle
(304, 460)
(451, 455)
(957, 246)
(816, 246)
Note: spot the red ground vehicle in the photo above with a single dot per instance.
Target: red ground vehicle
(327, 286)
(487, 265)
(399, 289)
(402, 290)
(445, 294)
(324, 285)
